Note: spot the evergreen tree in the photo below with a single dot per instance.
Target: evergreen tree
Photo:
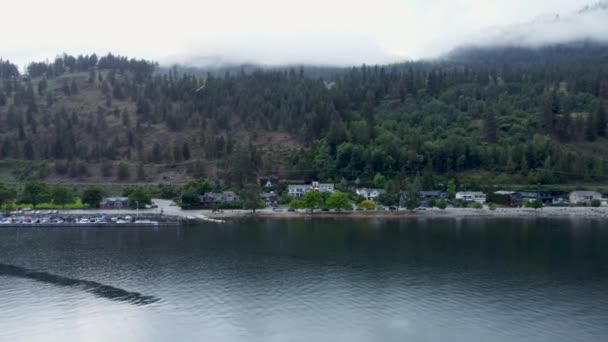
(42, 85)
(92, 196)
(601, 119)
(141, 173)
(73, 88)
(590, 128)
(122, 172)
(489, 128)
(186, 151)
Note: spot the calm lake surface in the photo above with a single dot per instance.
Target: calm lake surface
(308, 280)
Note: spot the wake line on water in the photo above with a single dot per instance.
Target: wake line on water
(98, 289)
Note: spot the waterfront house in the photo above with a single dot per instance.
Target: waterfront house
(471, 196)
(545, 196)
(270, 198)
(505, 197)
(424, 196)
(323, 187)
(584, 197)
(298, 190)
(212, 199)
(436, 195)
(269, 182)
(370, 193)
(114, 203)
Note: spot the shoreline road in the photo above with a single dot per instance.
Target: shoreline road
(169, 208)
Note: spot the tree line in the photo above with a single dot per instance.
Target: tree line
(527, 121)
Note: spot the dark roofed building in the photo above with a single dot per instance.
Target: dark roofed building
(212, 199)
(545, 196)
(114, 203)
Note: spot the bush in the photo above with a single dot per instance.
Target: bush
(442, 204)
(537, 204)
(284, 198)
(367, 205)
(296, 204)
(477, 205)
(432, 203)
(596, 203)
(231, 205)
(338, 200)
(190, 200)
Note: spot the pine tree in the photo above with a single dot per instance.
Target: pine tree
(141, 172)
(489, 128)
(123, 173)
(42, 85)
(590, 128)
(74, 88)
(547, 116)
(28, 150)
(600, 117)
(66, 88)
(186, 151)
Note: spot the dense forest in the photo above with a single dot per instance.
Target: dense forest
(504, 115)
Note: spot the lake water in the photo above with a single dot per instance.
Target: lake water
(308, 280)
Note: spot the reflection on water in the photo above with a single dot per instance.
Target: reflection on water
(308, 280)
(96, 288)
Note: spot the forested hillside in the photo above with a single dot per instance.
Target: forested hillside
(512, 116)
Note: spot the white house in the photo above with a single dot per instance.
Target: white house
(584, 197)
(298, 190)
(370, 193)
(471, 196)
(323, 187)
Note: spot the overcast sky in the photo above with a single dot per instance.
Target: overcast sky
(342, 32)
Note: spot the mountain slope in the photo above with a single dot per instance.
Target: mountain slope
(515, 119)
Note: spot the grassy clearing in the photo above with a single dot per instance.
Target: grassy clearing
(42, 206)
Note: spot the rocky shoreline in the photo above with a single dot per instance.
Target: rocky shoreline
(450, 213)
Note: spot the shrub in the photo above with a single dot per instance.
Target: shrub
(596, 203)
(442, 204)
(537, 204)
(231, 205)
(367, 205)
(477, 205)
(296, 204)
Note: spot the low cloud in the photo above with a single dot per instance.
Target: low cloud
(589, 23)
